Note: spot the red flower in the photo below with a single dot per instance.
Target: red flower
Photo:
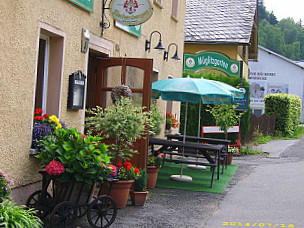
(87, 152)
(127, 164)
(168, 114)
(40, 118)
(36, 117)
(128, 168)
(162, 155)
(119, 164)
(136, 170)
(158, 152)
(46, 116)
(54, 168)
(38, 111)
(83, 137)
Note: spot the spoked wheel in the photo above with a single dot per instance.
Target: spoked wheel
(63, 215)
(35, 201)
(102, 212)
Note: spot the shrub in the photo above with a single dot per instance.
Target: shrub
(156, 119)
(287, 109)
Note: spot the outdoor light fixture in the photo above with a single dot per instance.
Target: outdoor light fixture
(159, 45)
(175, 56)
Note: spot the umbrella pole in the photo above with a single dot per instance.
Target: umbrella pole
(182, 177)
(200, 167)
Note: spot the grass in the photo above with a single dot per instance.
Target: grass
(201, 179)
(249, 151)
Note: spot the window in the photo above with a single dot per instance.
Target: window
(49, 70)
(174, 9)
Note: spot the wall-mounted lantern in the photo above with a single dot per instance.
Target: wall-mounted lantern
(85, 40)
(159, 45)
(76, 90)
(175, 56)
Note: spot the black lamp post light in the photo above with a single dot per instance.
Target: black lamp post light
(159, 45)
(175, 56)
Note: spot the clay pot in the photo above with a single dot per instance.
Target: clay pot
(152, 172)
(138, 198)
(120, 192)
(230, 156)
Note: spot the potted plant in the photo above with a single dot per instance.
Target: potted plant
(153, 164)
(43, 125)
(138, 194)
(156, 119)
(171, 121)
(123, 121)
(231, 151)
(126, 174)
(4, 186)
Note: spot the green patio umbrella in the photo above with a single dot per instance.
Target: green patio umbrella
(194, 90)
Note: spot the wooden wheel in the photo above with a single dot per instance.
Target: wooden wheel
(63, 215)
(34, 201)
(102, 212)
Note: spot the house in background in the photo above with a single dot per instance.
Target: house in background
(274, 73)
(227, 27)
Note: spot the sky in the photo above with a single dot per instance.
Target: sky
(286, 8)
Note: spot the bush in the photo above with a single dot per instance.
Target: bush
(287, 109)
(156, 119)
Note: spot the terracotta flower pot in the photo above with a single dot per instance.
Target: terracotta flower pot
(230, 156)
(152, 172)
(138, 198)
(120, 192)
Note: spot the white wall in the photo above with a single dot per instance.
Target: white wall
(274, 73)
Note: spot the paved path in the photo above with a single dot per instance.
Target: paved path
(267, 188)
(272, 194)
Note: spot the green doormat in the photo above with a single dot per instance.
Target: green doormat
(201, 179)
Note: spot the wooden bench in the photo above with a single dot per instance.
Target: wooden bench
(175, 148)
(216, 129)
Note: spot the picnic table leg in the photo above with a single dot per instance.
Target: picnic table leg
(212, 177)
(218, 164)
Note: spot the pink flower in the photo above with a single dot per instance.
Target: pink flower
(83, 137)
(113, 168)
(54, 168)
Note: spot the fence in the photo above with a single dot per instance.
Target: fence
(263, 124)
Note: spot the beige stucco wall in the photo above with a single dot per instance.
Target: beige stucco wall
(19, 36)
(232, 51)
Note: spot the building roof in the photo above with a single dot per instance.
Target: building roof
(297, 63)
(219, 21)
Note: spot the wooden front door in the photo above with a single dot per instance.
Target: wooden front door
(106, 73)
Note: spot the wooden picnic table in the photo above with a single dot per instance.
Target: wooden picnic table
(224, 142)
(171, 147)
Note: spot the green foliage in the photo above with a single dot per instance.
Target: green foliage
(225, 116)
(284, 37)
(81, 156)
(156, 119)
(249, 151)
(154, 160)
(287, 109)
(140, 182)
(123, 122)
(12, 216)
(264, 139)
(206, 117)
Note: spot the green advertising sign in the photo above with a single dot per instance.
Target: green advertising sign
(132, 29)
(243, 104)
(211, 60)
(85, 4)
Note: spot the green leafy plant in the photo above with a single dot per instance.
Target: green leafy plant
(154, 160)
(140, 182)
(156, 119)
(83, 157)
(123, 122)
(225, 116)
(17, 216)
